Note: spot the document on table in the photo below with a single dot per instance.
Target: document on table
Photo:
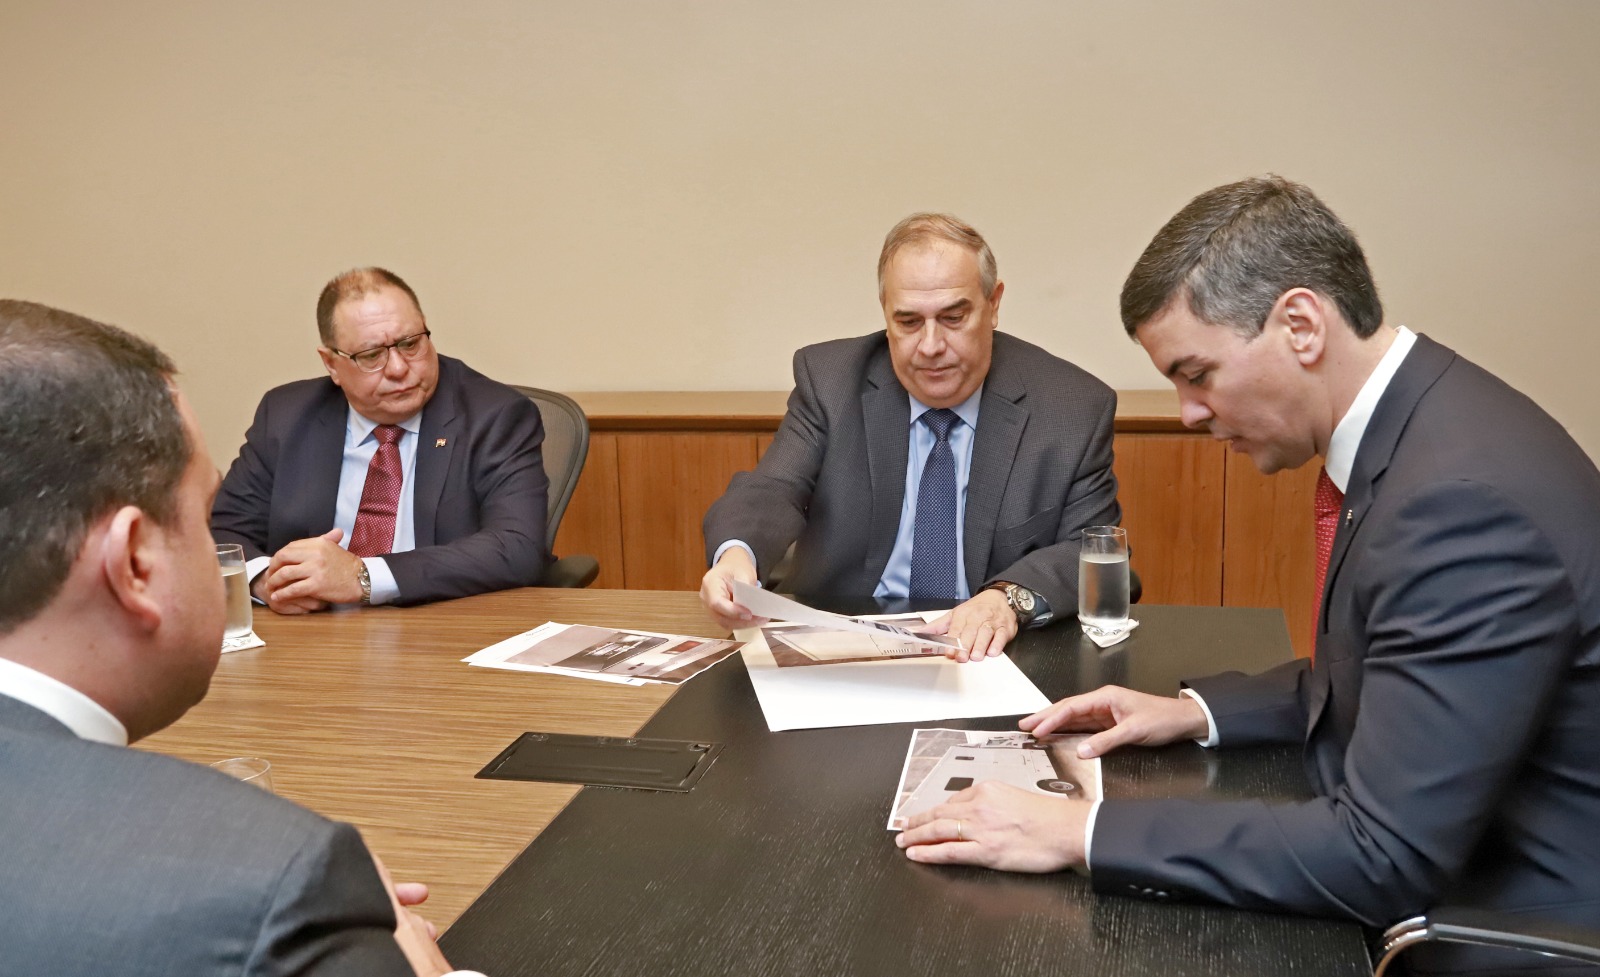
(899, 690)
(941, 763)
(606, 654)
(765, 603)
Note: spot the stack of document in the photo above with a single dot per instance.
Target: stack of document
(605, 654)
(812, 669)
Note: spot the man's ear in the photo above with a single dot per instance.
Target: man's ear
(994, 302)
(1304, 315)
(327, 364)
(129, 558)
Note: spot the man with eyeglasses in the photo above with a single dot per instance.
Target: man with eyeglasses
(402, 477)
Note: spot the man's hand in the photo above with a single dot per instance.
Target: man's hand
(309, 574)
(999, 826)
(716, 589)
(983, 625)
(1123, 717)
(417, 937)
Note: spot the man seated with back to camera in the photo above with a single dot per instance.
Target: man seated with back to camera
(937, 459)
(401, 477)
(121, 862)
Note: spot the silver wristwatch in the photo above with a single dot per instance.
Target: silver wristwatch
(365, 579)
(1021, 600)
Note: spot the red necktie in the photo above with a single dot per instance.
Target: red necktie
(373, 534)
(1328, 501)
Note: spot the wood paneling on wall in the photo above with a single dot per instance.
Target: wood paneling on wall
(1269, 552)
(593, 520)
(1171, 489)
(668, 481)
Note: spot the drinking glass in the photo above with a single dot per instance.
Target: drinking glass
(249, 769)
(1103, 579)
(237, 588)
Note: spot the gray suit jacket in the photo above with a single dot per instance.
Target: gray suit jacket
(1452, 720)
(122, 863)
(833, 480)
(479, 503)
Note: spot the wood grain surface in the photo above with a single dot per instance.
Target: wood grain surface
(369, 716)
(1171, 490)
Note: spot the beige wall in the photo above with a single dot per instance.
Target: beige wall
(636, 195)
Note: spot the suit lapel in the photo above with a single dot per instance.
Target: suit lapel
(1421, 368)
(1001, 421)
(886, 415)
(435, 446)
(311, 489)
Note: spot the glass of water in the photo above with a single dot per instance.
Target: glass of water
(1103, 579)
(237, 589)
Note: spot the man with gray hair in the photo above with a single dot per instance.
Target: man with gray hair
(121, 862)
(1450, 717)
(937, 459)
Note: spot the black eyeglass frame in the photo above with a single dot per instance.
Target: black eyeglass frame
(415, 339)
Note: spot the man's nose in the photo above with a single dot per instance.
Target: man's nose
(395, 367)
(1193, 412)
(930, 342)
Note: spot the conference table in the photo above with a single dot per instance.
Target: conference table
(777, 861)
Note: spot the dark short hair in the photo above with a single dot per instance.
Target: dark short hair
(90, 425)
(924, 227)
(352, 285)
(1233, 251)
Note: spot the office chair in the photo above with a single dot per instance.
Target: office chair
(1483, 927)
(566, 446)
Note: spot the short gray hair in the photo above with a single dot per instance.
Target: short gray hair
(927, 226)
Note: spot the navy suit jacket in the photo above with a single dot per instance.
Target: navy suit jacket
(480, 499)
(834, 479)
(123, 863)
(1452, 720)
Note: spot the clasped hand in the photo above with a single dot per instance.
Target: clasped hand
(309, 574)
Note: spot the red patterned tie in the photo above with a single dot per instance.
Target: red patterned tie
(380, 497)
(1328, 501)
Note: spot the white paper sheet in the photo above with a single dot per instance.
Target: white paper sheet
(907, 690)
(765, 603)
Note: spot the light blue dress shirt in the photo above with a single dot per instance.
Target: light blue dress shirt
(360, 445)
(896, 579)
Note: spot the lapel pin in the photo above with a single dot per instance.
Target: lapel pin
(1349, 516)
(439, 443)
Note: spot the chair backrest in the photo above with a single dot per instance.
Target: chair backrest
(566, 446)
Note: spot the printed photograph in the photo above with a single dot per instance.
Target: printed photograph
(944, 762)
(805, 644)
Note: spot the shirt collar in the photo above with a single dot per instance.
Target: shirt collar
(967, 410)
(86, 718)
(1347, 433)
(359, 427)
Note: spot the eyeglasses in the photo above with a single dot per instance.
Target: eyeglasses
(374, 359)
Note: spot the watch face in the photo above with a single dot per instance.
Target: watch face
(1023, 598)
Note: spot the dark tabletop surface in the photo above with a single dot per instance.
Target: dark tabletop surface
(778, 861)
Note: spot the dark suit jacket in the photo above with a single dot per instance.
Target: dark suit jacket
(122, 863)
(480, 498)
(833, 480)
(1452, 721)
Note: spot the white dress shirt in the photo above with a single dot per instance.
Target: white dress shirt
(1340, 461)
(86, 718)
(360, 445)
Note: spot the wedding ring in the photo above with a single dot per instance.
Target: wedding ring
(960, 834)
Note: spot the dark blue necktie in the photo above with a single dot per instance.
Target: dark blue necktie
(933, 543)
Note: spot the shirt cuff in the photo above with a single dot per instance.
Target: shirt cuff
(384, 589)
(253, 569)
(1088, 831)
(1211, 724)
(715, 557)
(1042, 614)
